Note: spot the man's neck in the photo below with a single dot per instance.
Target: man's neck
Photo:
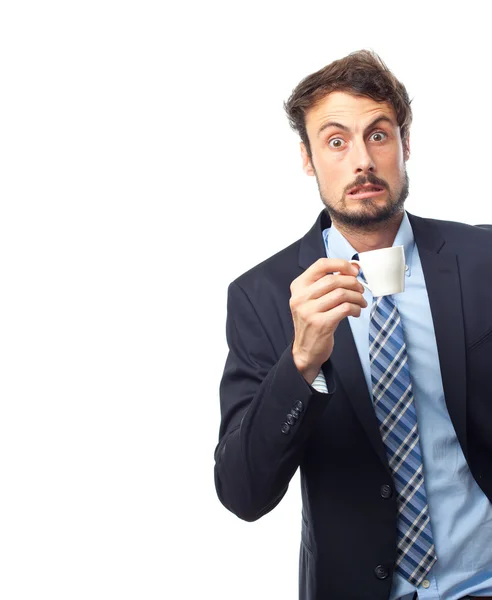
(364, 239)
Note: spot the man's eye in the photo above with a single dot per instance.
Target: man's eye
(379, 136)
(336, 143)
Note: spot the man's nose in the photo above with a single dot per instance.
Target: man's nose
(363, 162)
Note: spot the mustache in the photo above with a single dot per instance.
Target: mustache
(364, 179)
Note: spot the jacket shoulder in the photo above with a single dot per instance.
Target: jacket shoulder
(280, 268)
(457, 227)
(455, 233)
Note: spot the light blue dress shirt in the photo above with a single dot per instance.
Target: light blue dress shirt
(461, 514)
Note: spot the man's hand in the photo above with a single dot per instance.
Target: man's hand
(319, 300)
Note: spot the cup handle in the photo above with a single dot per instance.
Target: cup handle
(356, 262)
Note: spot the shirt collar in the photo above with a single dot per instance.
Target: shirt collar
(338, 247)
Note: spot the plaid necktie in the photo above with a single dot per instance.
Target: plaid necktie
(395, 410)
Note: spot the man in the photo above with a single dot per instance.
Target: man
(384, 403)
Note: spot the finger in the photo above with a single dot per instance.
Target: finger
(347, 309)
(324, 266)
(329, 283)
(336, 298)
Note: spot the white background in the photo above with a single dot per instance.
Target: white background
(145, 163)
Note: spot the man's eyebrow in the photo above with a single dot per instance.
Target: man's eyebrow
(345, 128)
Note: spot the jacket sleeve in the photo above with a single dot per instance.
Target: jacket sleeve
(258, 450)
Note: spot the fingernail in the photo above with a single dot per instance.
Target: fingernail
(355, 270)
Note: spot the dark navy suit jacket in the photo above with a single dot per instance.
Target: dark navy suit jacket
(348, 540)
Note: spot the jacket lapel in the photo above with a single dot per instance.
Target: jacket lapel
(346, 362)
(345, 358)
(441, 274)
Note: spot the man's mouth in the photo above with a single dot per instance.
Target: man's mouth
(366, 191)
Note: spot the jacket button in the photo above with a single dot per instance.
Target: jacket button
(285, 428)
(381, 572)
(290, 419)
(299, 406)
(295, 413)
(386, 491)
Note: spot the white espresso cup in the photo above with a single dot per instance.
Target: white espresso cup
(383, 270)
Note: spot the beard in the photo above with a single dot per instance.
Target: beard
(370, 214)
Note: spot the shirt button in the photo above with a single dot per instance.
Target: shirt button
(426, 583)
(285, 428)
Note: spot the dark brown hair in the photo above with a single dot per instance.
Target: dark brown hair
(361, 73)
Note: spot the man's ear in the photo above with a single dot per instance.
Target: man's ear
(406, 147)
(307, 165)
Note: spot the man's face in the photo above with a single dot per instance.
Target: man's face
(356, 141)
